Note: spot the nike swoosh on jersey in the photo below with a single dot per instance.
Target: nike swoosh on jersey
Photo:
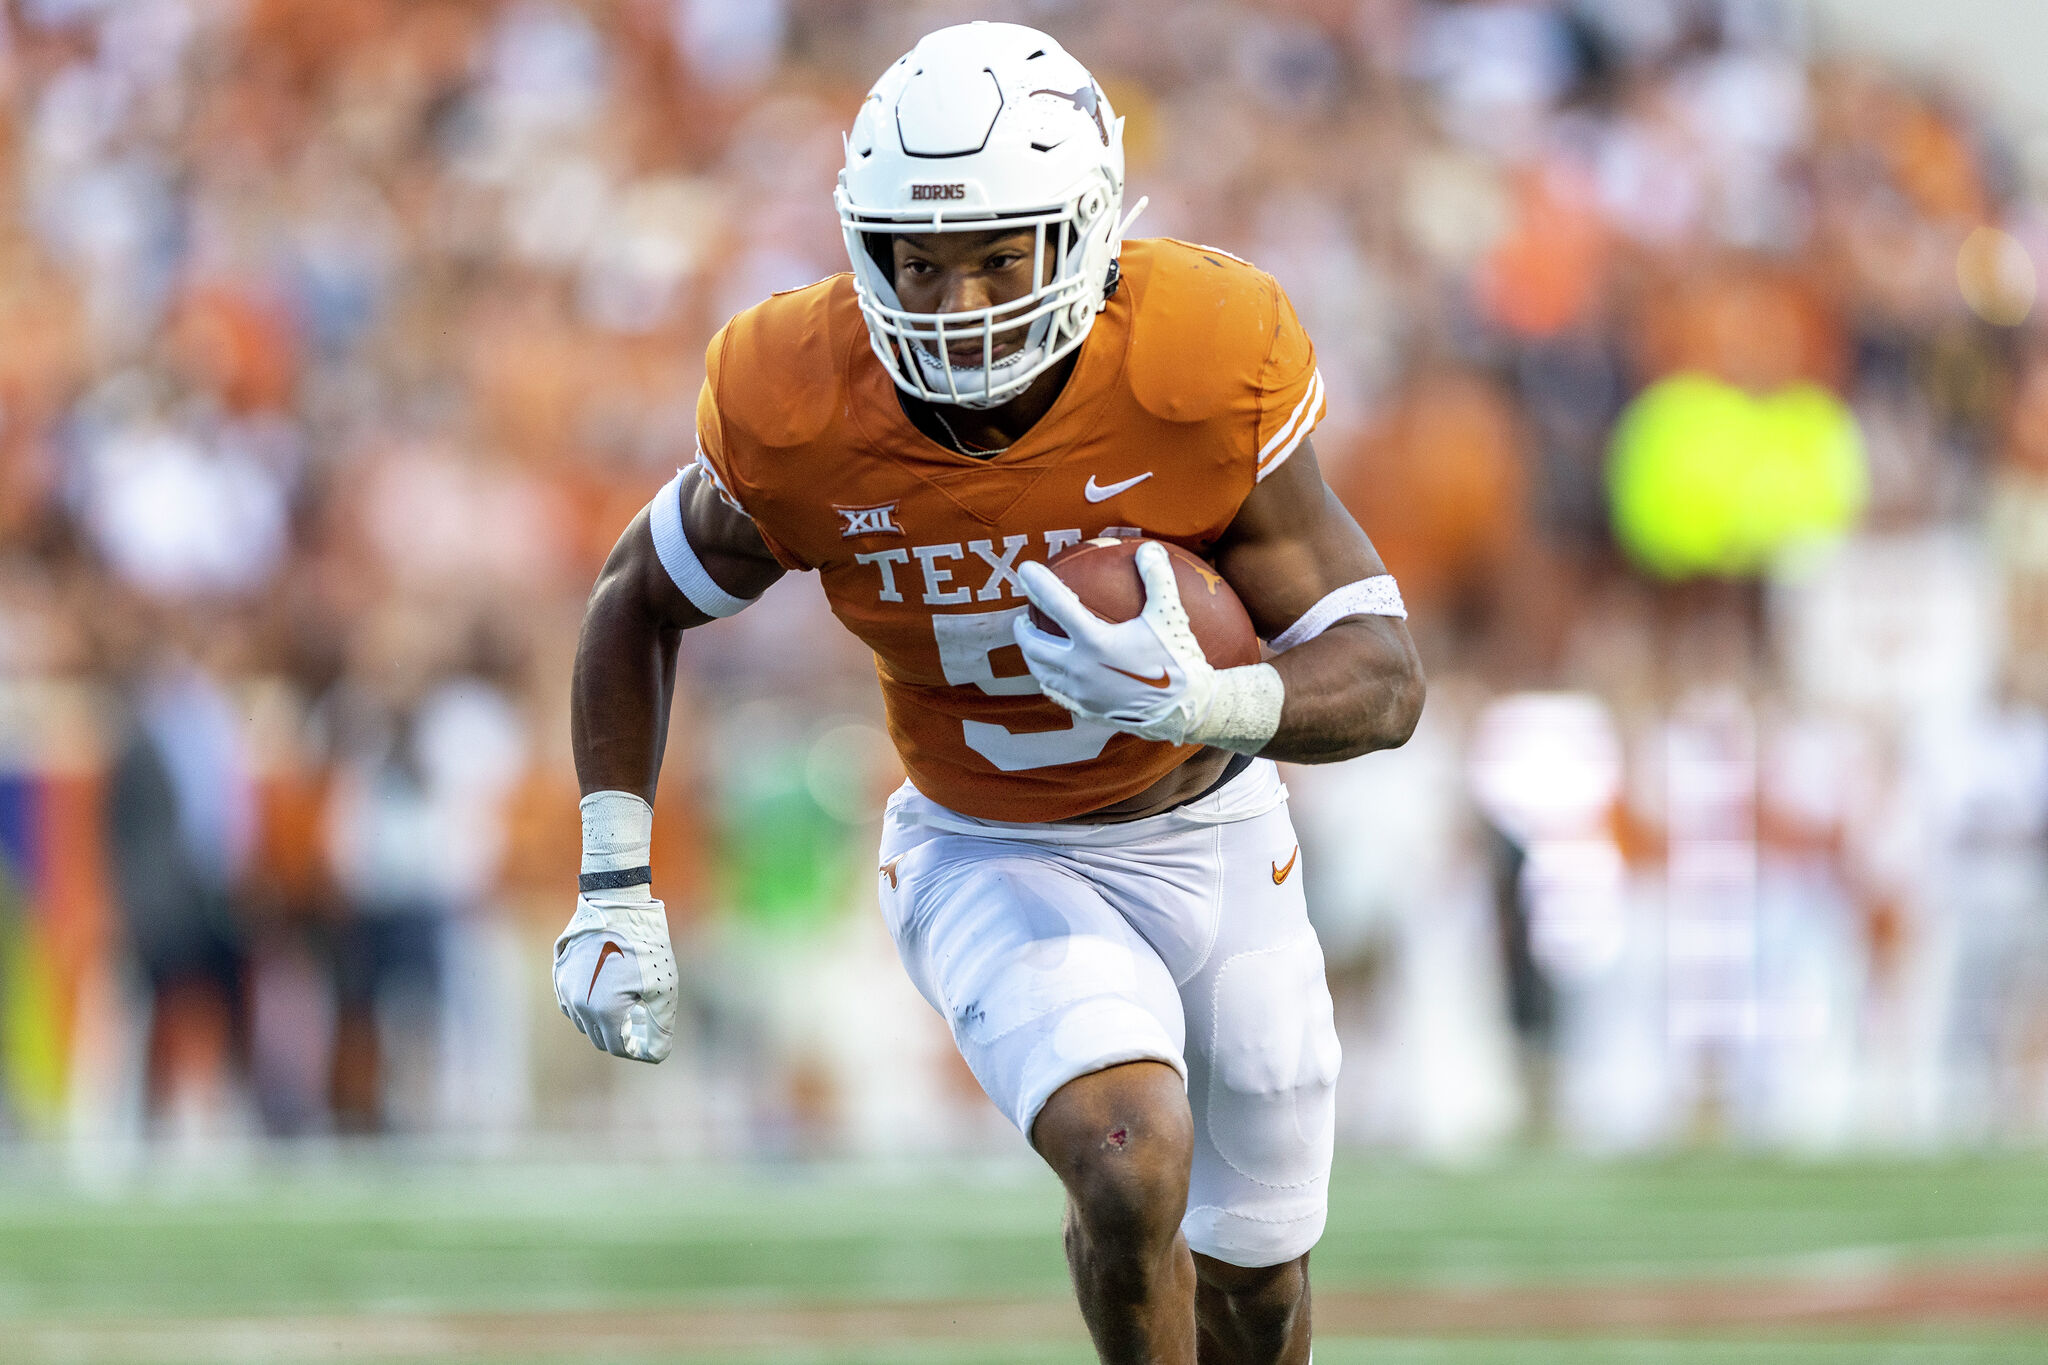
(1164, 679)
(1096, 492)
(1279, 872)
(604, 955)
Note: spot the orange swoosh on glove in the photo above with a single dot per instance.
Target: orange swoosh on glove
(1164, 679)
(604, 955)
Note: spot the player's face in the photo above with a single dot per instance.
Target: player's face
(958, 272)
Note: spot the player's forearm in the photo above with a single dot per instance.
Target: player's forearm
(620, 694)
(1353, 689)
(618, 723)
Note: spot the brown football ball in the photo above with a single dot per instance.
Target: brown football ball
(1104, 574)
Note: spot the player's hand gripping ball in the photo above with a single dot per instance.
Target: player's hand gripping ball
(1130, 633)
(1104, 574)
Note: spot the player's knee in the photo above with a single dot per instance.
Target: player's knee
(1121, 1142)
(1135, 1200)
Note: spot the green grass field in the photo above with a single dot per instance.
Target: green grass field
(1700, 1261)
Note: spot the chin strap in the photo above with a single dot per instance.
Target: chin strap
(1114, 280)
(1123, 228)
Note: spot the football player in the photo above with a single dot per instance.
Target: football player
(1090, 873)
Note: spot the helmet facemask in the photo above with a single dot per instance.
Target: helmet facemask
(1073, 247)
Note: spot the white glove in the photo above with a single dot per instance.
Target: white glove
(1146, 676)
(615, 977)
(615, 974)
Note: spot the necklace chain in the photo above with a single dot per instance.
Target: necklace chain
(963, 447)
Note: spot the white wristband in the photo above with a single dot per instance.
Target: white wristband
(1244, 713)
(618, 842)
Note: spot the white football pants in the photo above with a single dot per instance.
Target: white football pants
(1056, 950)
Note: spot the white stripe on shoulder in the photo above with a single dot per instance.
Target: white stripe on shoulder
(1314, 397)
(1315, 387)
(672, 547)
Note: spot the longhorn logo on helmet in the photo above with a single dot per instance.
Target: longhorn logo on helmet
(1088, 101)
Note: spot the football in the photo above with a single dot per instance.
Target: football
(1104, 574)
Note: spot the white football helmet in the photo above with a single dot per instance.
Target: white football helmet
(984, 127)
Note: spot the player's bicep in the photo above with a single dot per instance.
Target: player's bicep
(724, 539)
(1292, 544)
(693, 556)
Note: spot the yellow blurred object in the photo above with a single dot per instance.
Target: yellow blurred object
(31, 1037)
(1704, 478)
(1996, 276)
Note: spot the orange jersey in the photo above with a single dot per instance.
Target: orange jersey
(1196, 381)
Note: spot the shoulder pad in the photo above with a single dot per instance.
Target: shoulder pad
(1202, 325)
(778, 369)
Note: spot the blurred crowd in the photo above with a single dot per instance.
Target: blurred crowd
(338, 340)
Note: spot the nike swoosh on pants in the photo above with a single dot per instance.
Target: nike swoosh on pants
(1279, 872)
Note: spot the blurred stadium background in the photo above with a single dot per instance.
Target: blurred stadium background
(1692, 961)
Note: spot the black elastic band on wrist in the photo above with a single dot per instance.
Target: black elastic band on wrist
(615, 881)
